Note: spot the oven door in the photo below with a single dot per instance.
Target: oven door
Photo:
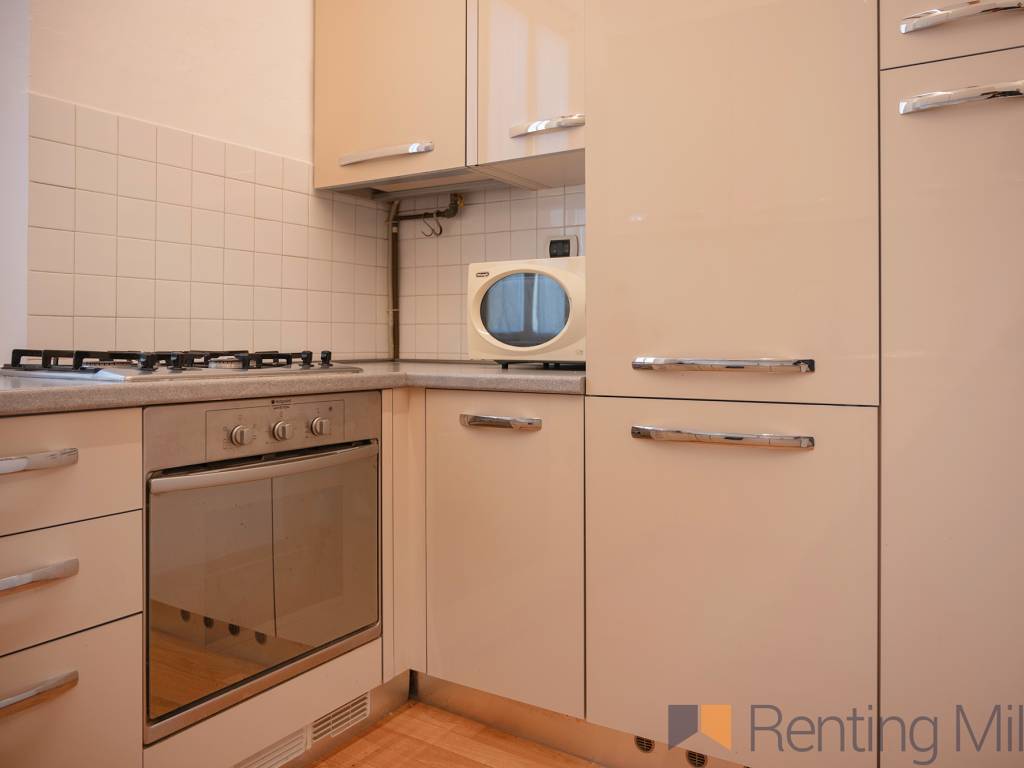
(256, 572)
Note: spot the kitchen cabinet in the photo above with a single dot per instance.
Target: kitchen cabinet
(390, 90)
(730, 574)
(504, 489)
(529, 89)
(88, 709)
(732, 194)
(915, 31)
(953, 309)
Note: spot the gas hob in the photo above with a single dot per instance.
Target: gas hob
(87, 365)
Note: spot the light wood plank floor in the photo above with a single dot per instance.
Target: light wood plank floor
(419, 736)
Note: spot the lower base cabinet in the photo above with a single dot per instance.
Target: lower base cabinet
(94, 719)
(721, 574)
(504, 512)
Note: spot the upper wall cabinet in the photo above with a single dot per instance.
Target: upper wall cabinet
(529, 89)
(390, 90)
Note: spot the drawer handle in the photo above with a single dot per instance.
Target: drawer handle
(936, 16)
(46, 460)
(760, 365)
(799, 442)
(11, 584)
(521, 423)
(38, 693)
(971, 93)
(413, 148)
(548, 124)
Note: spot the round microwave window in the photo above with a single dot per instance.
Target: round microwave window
(525, 309)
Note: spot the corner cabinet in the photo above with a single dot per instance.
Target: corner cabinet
(389, 89)
(504, 488)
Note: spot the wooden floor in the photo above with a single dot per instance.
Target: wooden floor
(418, 736)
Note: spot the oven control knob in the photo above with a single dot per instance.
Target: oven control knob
(283, 431)
(242, 435)
(320, 426)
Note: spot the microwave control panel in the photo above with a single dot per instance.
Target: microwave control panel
(281, 426)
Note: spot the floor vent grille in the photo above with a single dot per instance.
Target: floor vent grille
(343, 718)
(696, 759)
(279, 753)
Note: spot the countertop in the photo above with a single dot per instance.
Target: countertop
(23, 395)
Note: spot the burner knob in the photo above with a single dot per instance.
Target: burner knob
(242, 435)
(283, 431)
(320, 426)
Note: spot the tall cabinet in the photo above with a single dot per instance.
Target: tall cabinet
(732, 191)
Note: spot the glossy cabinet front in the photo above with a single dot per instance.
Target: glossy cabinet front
(953, 310)
(732, 195)
(505, 545)
(731, 574)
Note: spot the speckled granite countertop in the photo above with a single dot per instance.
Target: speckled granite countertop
(21, 395)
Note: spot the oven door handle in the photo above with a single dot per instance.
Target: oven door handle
(262, 471)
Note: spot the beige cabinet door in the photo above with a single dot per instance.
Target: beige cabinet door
(389, 81)
(953, 312)
(723, 574)
(530, 70)
(732, 199)
(83, 700)
(505, 545)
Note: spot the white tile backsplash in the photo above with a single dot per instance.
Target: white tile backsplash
(144, 236)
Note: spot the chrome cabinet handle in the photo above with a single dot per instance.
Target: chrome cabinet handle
(46, 460)
(521, 423)
(759, 365)
(38, 693)
(799, 442)
(548, 124)
(33, 578)
(415, 148)
(936, 16)
(936, 99)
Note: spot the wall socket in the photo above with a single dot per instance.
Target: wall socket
(562, 246)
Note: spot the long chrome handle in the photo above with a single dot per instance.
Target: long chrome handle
(413, 148)
(936, 99)
(799, 442)
(936, 16)
(38, 693)
(548, 124)
(260, 471)
(46, 460)
(758, 365)
(33, 578)
(521, 423)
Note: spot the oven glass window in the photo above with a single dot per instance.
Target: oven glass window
(525, 309)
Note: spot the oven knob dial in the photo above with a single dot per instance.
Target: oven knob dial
(242, 435)
(320, 426)
(283, 431)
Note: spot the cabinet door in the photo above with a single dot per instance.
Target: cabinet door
(732, 575)
(530, 69)
(732, 200)
(505, 547)
(953, 301)
(389, 75)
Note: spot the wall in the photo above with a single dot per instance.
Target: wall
(14, 34)
(143, 236)
(495, 225)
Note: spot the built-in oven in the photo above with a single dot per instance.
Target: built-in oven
(263, 546)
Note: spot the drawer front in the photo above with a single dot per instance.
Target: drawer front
(505, 547)
(106, 478)
(724, 574)
(97, 721)
(87, 573)
(968, 29)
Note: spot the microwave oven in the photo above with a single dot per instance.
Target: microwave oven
(532, 309)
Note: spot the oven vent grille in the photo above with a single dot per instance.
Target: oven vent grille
(343, 718)
(279, 753)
